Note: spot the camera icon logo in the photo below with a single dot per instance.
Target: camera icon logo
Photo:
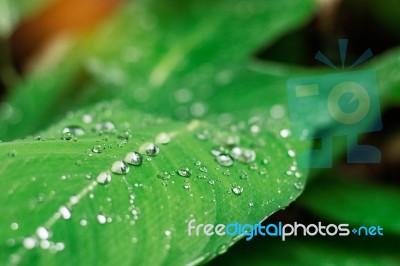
(338, 104)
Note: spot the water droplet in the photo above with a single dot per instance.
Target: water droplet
(298, 186)
(104, 126)
(298, 175)
(198, 163)
(73, 130)
(224, 160)
(78, 163)
(184, 171)
(291, 153)
(265, 161)
(227, 172)
(285, 133)
(183, 96)
(43, 233)
(251, 204)
(237, 190)
(119, 167)
(101, 218)
(150, 149)
(218, 150)
(243, 155)
(134, 158)
(103, 178)
(45, 244)
(14, 226)
(289, 173)
(163, 138)
(12, 153)
(211, 182)
(168, 233)
(87, 118)
(203, 135)
(203, 169)
(97, 149)
(83, 222)
(201, 176)
(187, 185)
(255, 129)
(29, 243)
(65, 213)
(243, 174)
(164, 175)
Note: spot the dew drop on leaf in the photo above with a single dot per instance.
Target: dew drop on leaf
(43, 233)
(65, 213)
(184, 171)
(164, 175)
(150, 149)
(101, 218)
(224, 160)
(237, 190)
(103, 178)
(163, 138)
(119, 167)
(73, 130)
(134, 158)
(29, 243)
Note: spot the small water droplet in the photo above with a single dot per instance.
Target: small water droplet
(211, 182)
(168, 233)
(251, 204)
(119, 167)
(216, 151)
(12, 153)
(87, 118)
(298, 175)
(203, 169)
(227, 172)
(73, 130)
(224, 160)
(134, 158)
(29, 243)
(164, 175)
(187, 185)
(104, 126)
(198, 163)
(203, 134)
(237, 190)
(43, 233)
(104, 178)
(243, 155)
(14, 226)
(243, 174)
(83, 222)
(291, 153)
(298, 186)
(285, 133)
(255, 129)
(101, 218)
(65, 213)
(97, 149)
(184, 171)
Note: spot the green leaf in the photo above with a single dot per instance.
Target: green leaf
(359, 203)
(148, 215)
(152, 49)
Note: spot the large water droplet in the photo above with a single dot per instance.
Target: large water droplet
(134, 158)
(119, 167)
(224, 160)
(150, 149)
(103, 178)
(163, 138)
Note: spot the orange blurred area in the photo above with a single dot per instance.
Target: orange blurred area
(60, 17)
